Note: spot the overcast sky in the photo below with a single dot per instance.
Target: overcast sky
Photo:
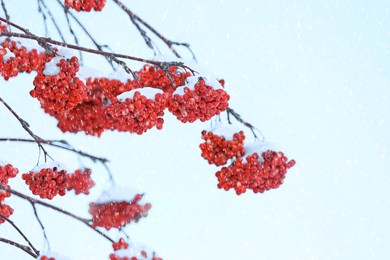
(313, 76)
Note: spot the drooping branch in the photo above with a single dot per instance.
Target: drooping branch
(40, 223)
(26, 127)
(97, 45)
(44, 45)
(4, 9)
(41, 2)
(20, 232)
(54, 143)
(45, 204)
(238, 117)
(20, 246)
(75, 47)
(133, 17)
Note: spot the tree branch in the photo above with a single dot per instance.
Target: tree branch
(20, 246)
(75, 47)
(238, 117)
(20, 232)
(40, 202)
(26, 127)
(53, 143)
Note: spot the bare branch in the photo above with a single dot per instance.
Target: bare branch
(20, 232)
(238, 117)
(54, 144)
(40, 223)
(26, 127)
(133, 17)
(45, 204)
(20, 246)
(75, 47)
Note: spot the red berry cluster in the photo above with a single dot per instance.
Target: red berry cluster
(3, 28)
(61, 92)
(86, 5)
(19, 59)
(151, 76)
(217, 150)
(121, 244)
(202, 103)
(138, 114)
(254, 174)
(117, 214)
(6, 172)
(80, 181)
(143, 254)
(6, 211)
(46, 258)
(47, 183)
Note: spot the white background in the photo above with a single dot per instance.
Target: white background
(313, 76)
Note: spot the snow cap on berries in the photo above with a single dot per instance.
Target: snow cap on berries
(259, 146)
(225, 130)
(148, 92)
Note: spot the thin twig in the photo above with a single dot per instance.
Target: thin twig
(53, 143)
(40, 223)
(20, 232)
(75, 47)
(53, 20)
(26, 127)
(168, 42)
(238, 117)
(40, 10)
(4, 9)
(97, 45)
(40, 202)
(44, 45)
(20, 246)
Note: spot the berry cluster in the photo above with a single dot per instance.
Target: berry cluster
(217, 150)
(80, 181)
(46, 258)
(257, 175)
(62, 91)
(167, 81)
(138, 114)
(6, 211)
(203, 102)
(86, 5)
(120, 248)
(117, 214)
(7, 171)
(15, 58)
(47, 183)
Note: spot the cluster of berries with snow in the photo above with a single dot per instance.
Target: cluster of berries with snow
(15, 58)
(255, 166)
(86, 5)
(136, 113)
(51, 179)
(47, 182)
(114, 213)
(7, 171)
(122, 251)
(217, 149)
(56, 86)
(197, 101)
(94, 105)
(257, 175)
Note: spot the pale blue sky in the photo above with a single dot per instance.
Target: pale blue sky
(314, 76)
